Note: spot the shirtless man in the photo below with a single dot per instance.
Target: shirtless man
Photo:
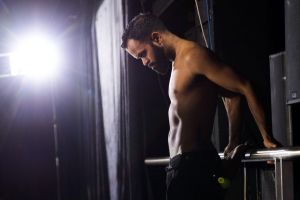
(193, 90)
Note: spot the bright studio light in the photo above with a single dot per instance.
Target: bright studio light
(35, 56)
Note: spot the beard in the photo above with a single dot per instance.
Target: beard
(161, 63)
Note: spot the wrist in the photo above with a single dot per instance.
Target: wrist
(234, 138)
(266, 137)
(233, 142)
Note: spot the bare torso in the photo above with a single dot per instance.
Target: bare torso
(191, 113)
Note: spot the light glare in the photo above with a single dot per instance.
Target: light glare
(34, 56)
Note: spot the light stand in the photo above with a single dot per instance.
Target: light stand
(55, 137)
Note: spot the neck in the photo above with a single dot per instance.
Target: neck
(171, 45)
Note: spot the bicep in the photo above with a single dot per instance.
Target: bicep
(225, 77)
(219, 73)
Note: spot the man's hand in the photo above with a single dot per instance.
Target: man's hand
(235, 152)
(228, 151)
(270, 143)
(232, 160)
(233, 110)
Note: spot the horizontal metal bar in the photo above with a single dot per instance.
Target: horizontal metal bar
(157, 161)
(284, 153)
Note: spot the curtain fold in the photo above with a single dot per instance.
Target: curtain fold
(114, 95)
(121, 116)
(93, 157)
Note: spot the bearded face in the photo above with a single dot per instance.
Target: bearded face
(151, 55)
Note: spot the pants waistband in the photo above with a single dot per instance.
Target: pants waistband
(209, 157)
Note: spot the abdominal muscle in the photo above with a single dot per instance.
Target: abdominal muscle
(191, 119)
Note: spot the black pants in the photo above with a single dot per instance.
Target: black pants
(194, 175)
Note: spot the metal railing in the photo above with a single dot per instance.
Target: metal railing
(283, 164)
(284, 153)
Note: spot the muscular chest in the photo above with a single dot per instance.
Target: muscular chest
(181, 83)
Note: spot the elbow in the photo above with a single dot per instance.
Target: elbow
(245, 88)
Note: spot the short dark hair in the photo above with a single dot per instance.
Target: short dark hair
(141, 27)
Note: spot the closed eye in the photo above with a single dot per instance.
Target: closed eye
(142, 54)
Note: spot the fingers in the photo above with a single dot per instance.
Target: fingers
(270, 162)
(227, 154)
(228, 151)
(235, 152)
(239, 152)
(269, 144)
(273, 145)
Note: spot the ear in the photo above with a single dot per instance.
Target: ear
(156, 38)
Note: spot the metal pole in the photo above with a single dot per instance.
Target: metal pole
(285, 153)
(55, 137)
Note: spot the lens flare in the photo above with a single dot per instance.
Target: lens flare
(35, 56)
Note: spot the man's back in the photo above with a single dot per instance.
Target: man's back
(193, 104)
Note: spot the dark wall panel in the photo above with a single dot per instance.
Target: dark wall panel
(278, 102)
(292, 44)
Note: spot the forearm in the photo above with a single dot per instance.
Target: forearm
(257, 111)
(233, 109)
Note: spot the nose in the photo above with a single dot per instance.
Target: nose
(145, 61)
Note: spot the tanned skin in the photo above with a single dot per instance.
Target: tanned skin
(193, 89)
(234, 114)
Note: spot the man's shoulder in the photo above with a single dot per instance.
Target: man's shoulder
(192, 51)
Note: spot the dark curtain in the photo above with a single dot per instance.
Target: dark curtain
(113, 99)
(99, 151)
(123, 142)
(93, 157)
